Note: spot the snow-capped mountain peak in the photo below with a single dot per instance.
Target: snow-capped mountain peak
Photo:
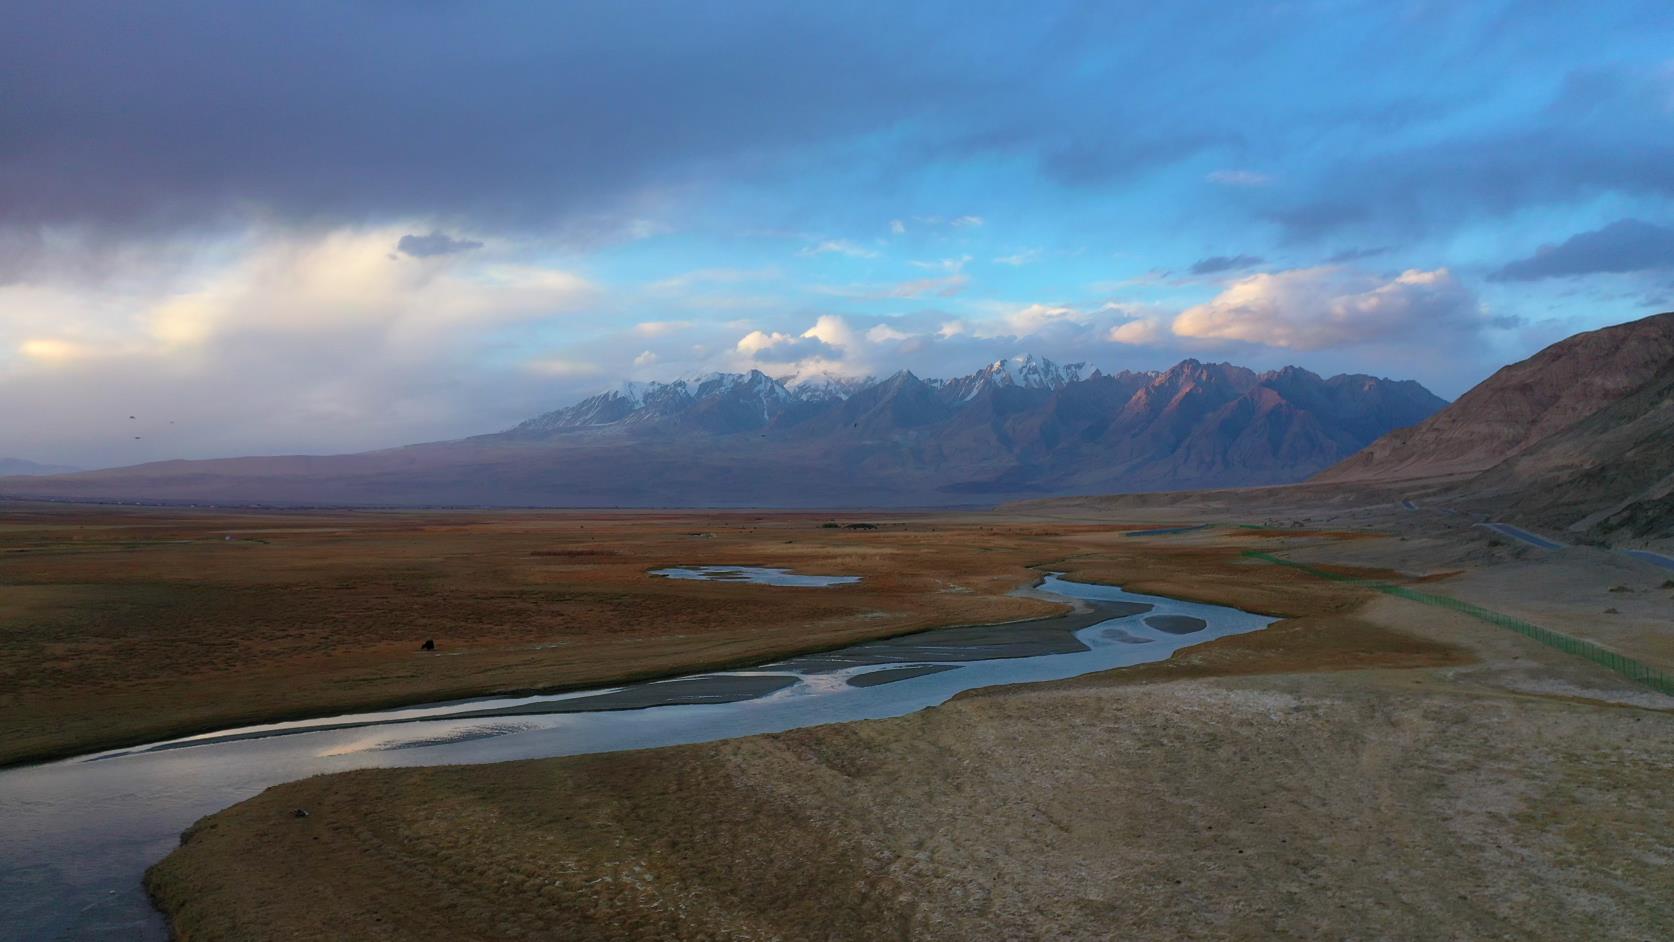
(826, 386)
(1026, 371)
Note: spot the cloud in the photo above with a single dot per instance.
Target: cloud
(659, 328)
(436, 243)
(687, 281)
(1033, 318)
(1220, 263)
(1139, 332)
(1247, 178)
(1355, 254)
(1626, 245)
(965, 222)
(173, 117)
(1599, 131)
(839, 247)
(1019, 258)
(1319, 308)
(897, 227)
(645, 358)
(784, 348)
(290, 343)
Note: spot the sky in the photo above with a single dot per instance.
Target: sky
(309, 227)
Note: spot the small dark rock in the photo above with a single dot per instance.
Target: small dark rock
(299, 813)
(428, 645)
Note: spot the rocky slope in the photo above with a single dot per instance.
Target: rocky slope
(1017, 427)
(1521, 405)
(1579, 438)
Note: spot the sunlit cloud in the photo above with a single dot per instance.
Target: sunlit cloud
(1329, 306)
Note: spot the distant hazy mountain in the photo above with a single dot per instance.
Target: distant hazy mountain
(1579, 436)
(1017, 427)
(18, 466)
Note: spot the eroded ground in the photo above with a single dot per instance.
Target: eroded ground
(1369, 768)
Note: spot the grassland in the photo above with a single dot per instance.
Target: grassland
(1367, 768)
(123, 625)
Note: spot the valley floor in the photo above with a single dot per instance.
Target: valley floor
(126, 625)
(1370, 767)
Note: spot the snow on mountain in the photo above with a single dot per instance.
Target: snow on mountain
(826, 386)
(1025, 371)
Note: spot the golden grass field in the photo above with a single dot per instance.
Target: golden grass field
(124, 625)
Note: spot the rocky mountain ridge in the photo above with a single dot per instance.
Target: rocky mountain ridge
(1018, 427)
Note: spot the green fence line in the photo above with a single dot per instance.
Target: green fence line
(1634, 670)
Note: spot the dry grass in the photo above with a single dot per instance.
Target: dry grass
(1357, 771)
(126, 625)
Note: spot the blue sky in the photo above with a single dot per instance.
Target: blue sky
(324, 227)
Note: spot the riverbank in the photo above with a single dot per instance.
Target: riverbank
(1368, 767)
(127, 625)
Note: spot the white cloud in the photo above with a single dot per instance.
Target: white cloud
(833, 330)
(965, 222)
(274, 341)
(897, 227)
(645, 358)
(1033, 318)
(839, 247)
(1138, 332)
(1330, 306)
(883, 333)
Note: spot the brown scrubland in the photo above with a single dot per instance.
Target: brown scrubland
(125, 625)
(1368, 767)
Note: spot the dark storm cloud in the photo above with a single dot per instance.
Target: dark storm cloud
(1626, 245)
(436, 243)
(1220, 263)
(169, 114)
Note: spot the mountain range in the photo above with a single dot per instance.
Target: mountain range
(1577, 438)
(1018, 427)
(25, 467)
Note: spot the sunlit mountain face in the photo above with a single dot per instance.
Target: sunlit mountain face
(1019, 426)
